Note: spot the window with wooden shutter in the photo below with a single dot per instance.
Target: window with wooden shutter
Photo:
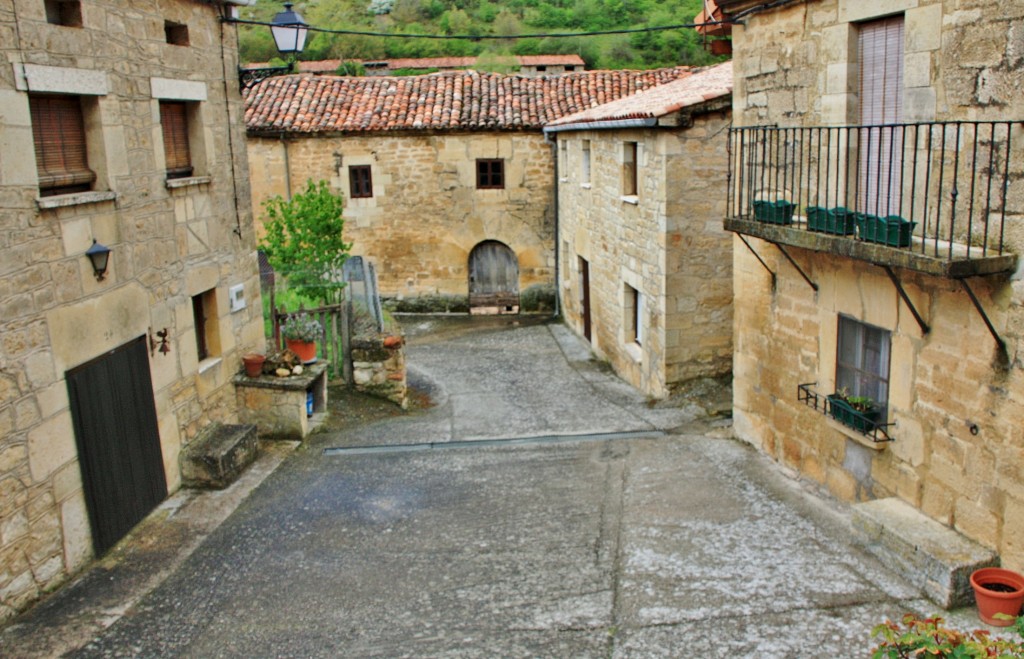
(360, 182)
(59, 135)
(880, 53)
(174, 121)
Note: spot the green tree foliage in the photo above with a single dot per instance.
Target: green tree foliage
(304, 241)
(492, 17)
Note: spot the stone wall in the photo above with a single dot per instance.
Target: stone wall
(169, 242)
(426, 214)
(378, 363)
(958, 449)
(667, 242)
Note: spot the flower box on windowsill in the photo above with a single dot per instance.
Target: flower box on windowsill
(774, 212)
(843, 412)
(838, 221)
(891, 230)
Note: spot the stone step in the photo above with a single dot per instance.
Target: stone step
(930, 555)
(219, 455)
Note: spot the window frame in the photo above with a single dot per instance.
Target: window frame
(61, 144)
(856, 376)
(634, 315)
(176, 34)
(207, 324)
(360, 186)
(585, 170)
(175, 128)
(490, 174)
(66, 13)
(630, 167)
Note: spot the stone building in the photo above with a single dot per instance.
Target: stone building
(448, 178)
(891, 131)
(645, 266)
(121, 123)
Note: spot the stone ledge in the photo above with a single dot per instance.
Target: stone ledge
(932, 556)
(218, 456)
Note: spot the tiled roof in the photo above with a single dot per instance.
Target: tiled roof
(703, 85)
(550, 60)
(452, 100)
(430, 62)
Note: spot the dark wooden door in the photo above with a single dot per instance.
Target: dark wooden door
(115, 424)
(585, 296)
(494, 278)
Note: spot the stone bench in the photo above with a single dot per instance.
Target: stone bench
(930, 555)
(218, 456)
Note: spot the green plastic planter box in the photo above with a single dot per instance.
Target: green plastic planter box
(844, 413)
(774, 212)
(892, 230)
(838, 221)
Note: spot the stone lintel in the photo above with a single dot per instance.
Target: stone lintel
(908, 258)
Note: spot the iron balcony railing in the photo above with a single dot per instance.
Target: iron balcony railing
(951, 186)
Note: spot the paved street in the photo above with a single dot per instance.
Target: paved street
(540, 508)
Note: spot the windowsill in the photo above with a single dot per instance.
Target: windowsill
(585, 186)
(208, 363)
(75, 199)
(187, 181)
(631, 199)
(858, 437)
(635, 351)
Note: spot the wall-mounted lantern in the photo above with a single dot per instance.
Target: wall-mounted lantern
(289, 31)
(99, 255)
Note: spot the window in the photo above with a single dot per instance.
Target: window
(204, 313)
(541, 69)
(63, 12)
(58, 132)
(634, 316)
(490, 174)
(570, 67)
(629, 166)
(176, 33)
(585, 164)
(862, 361)
(880, 53)
(174, 121)
(360, 182)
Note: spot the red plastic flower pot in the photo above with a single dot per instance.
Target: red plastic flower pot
(997, 590)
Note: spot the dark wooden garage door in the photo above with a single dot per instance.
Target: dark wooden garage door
(118, 441)
(493, 278)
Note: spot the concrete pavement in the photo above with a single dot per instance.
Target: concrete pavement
(540, 508)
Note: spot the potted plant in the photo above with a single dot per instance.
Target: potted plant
(857, 412)
(930, 637)
(300, 333)
(774, 212)
(253, 362)
(998, 591)
(839, 220)
(891, 230)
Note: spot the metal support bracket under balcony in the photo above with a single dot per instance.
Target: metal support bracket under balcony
(1003, 354)
(906, 299)
(798, 269)
(758, 257)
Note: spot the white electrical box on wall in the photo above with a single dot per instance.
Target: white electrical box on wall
(236, 296)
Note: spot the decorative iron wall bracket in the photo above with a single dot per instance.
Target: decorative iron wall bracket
(798, 268)
(758, 257)
(1003, 354)
(906, 299)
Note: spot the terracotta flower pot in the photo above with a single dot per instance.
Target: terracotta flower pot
(253, 364)
(305, 350)
(997, 590)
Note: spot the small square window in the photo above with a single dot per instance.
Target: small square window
(174, 122)
(58, 132)
(862, 361)
(490, 174)
(63, 12)
(629, 167)
(360, 181)
(176, 33)
(541, 68)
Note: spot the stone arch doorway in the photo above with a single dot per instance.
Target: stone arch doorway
(493, 279)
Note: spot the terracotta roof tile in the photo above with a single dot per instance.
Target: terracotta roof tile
(451, 100)
(701, 86)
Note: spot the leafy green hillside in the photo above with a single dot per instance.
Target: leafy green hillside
(470, 17)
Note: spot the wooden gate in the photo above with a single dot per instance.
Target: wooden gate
(493, 279)
(115, 424)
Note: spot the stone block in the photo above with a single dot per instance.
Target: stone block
(219, 455)
(933, 557)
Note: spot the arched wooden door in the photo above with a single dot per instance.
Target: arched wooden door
(493, 279)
